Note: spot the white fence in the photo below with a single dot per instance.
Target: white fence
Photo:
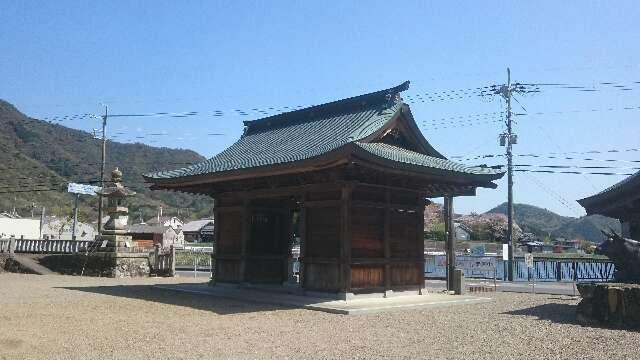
(43, 246)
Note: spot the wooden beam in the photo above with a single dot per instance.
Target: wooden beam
(384, 205)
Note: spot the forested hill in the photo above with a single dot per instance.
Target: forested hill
(543, 222)
(38, 159)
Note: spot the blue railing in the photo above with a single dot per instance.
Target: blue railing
(544, 269)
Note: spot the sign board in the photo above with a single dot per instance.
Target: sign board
(505, 252)
(528, 259)
(477, 250)
(82, 189)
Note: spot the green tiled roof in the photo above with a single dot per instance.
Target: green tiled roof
(311, 132)
(291, 143)
(426, 162)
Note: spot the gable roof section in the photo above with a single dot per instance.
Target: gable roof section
(626, 190)
(318, 130)
(411, 160)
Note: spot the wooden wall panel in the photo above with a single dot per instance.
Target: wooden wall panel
(322, 229)
(407, 275)
(332, 194)
(229, 200)
(404, 197)
(367, 277)
(403, 235)
(268, 234)
(322, 277)
(229, 232)
(264, 270)
(367, 232)
(369, 194)
(227, 270)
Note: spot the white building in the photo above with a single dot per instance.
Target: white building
(19, 228)
(62, 229)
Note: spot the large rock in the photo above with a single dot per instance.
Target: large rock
(609, 304)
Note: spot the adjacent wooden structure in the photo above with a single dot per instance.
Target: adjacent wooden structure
(620, 201)
(349, 179)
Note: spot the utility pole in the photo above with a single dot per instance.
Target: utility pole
(508, 139)
(41, 221)
(75, 217)
(102, 164)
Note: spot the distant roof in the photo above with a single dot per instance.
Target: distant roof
(196, 225)
(163, 219)
(309, 133)
(9, 215)
(614, 200)
(147, 229)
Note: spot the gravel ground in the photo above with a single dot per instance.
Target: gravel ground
(66, 317)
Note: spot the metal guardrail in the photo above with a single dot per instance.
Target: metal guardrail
(555, 269)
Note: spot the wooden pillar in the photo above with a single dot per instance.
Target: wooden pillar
(302, 229)
(345, 237)
(450, 243)
(420, 236)
(214, 252)
(387, 240)
(246, 233)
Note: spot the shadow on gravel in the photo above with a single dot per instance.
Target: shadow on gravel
(558, 313)
(218, 305)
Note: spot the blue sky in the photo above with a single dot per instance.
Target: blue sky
(67, 57)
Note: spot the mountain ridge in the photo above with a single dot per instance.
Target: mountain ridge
(543, 222)
(37, 157)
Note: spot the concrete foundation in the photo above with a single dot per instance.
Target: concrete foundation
(359, 304)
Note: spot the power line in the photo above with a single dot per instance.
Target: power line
(574, 172)
(584, 152)
(570, 206)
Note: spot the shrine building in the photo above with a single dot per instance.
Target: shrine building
(348, 181)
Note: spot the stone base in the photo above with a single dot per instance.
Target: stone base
(609, 304)
(113, 243)
(117, 264)
(102, 264)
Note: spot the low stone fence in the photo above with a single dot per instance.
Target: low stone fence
(609, 304)
(43, 246)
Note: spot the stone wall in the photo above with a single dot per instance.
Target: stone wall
(609, 304)
(105, 264)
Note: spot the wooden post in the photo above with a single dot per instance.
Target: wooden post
(450, 248)
(345, 238)
(420, 236)
(246, 228)
(214, 251)
(387, 240)
(302, 229)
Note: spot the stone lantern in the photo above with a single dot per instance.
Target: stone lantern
(116, 207)
(112, 237)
